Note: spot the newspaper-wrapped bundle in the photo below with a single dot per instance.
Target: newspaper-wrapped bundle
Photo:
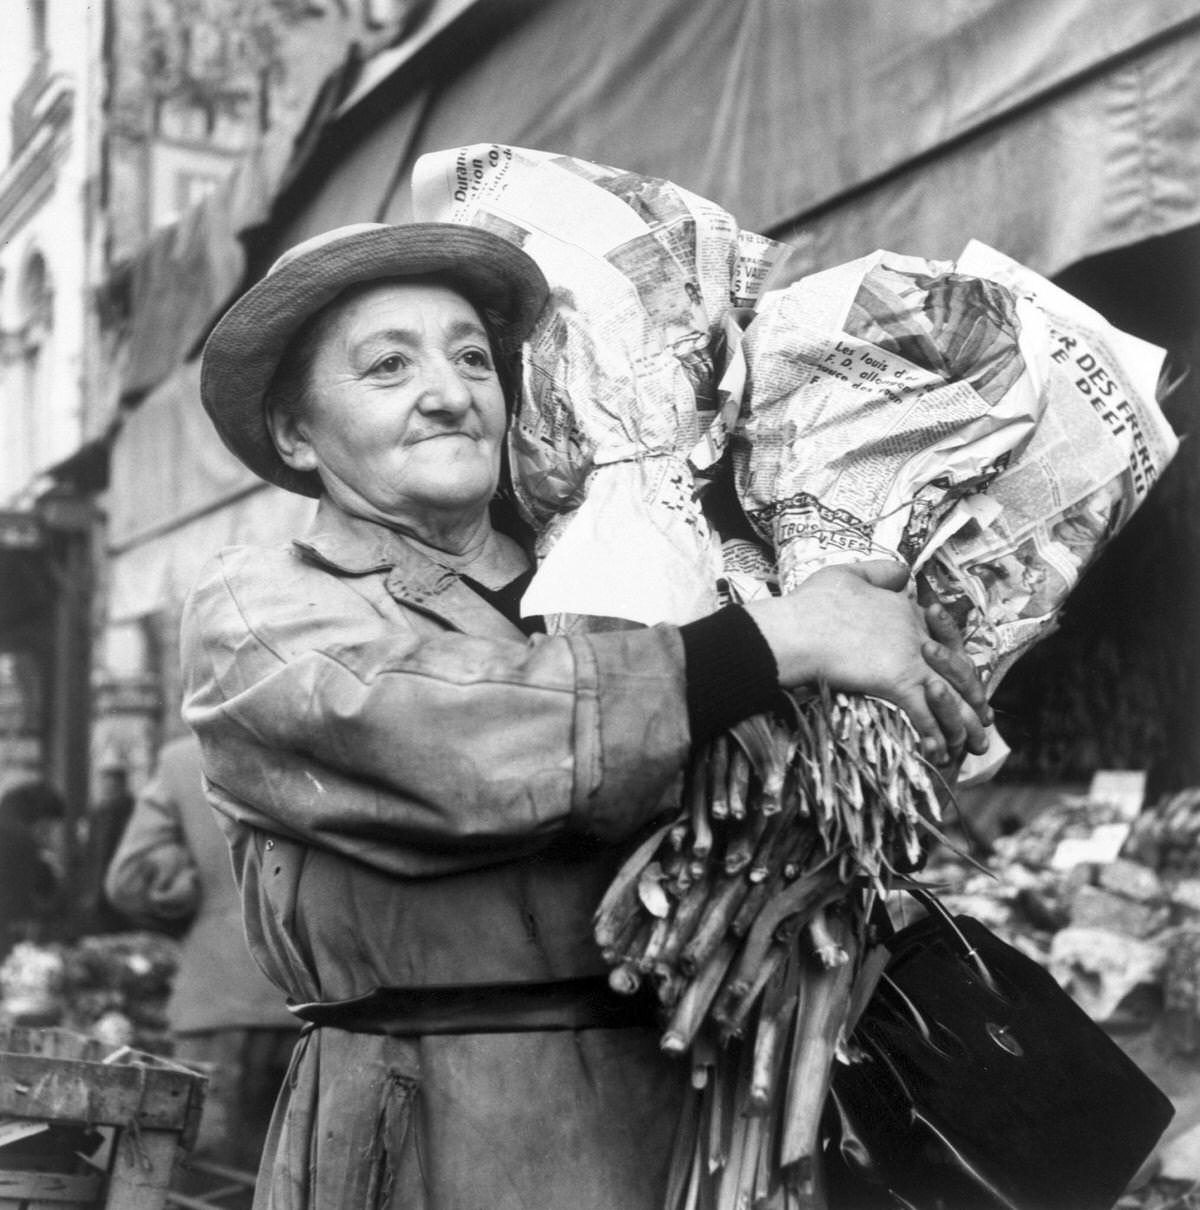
(967, 417)
(993, 432)
(620, 400)
(971, 418)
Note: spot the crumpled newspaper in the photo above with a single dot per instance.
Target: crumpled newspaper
(620, 412)
(966, 416)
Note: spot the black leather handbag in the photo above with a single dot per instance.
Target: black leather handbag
(976, 1083)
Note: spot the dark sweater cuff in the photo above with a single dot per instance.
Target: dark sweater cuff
(731, 672)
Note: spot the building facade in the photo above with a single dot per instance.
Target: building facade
(50, 95)
(118, 121)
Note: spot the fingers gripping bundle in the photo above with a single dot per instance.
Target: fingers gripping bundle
(894, 407)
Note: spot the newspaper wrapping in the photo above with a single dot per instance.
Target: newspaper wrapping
(967, 417)
(619, 409)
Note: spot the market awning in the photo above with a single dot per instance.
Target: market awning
(1107, 163)
(182, 276)
(181, 279)
(178, 496)
(1052, 130)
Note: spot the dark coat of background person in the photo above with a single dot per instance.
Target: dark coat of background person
(104, 823)
(29, 884)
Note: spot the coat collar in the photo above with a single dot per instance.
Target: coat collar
(353, 546)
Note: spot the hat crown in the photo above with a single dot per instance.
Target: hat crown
(304, 247)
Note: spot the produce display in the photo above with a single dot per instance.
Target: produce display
(112, 987)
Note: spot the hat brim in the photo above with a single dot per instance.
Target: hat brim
(243, 350)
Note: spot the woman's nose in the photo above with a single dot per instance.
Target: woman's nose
(444, 388)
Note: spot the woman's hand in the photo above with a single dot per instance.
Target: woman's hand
(853, 627)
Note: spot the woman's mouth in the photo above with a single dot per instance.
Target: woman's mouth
(448, 433)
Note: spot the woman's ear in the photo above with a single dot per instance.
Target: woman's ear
(288, 433)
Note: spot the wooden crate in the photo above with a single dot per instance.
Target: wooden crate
(84, 1129)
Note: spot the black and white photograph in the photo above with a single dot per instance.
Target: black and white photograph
(599, 605)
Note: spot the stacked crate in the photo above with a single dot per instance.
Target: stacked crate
(82, 1129)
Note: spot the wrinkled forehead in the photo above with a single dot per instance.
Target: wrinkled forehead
(409, 295)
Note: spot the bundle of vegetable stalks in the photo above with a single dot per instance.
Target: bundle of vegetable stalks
(748, 912)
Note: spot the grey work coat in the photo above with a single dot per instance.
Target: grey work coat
(417, 795)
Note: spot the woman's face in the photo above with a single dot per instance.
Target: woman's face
(404, 414)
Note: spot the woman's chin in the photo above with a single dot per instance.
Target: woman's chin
(448, 493)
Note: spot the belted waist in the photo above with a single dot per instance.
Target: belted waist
(584, 1003)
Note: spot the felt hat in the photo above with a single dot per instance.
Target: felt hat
(243, 350)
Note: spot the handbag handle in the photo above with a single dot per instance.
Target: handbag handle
(934, 907)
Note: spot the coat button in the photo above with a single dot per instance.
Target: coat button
(270, 844)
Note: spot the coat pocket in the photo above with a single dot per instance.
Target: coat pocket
(270, 885)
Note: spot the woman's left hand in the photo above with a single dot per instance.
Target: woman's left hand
(945, 652)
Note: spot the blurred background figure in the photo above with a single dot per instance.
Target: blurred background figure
(29, 872)
(104, 825)
(172, 871)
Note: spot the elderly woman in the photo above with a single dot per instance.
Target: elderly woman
(426, 796)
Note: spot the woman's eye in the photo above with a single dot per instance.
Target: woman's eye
(393, 363)
(476, 359)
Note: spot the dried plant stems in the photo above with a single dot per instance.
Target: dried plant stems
(824, 995)
(746, 912)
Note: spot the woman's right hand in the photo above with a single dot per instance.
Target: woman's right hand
(853, 627)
